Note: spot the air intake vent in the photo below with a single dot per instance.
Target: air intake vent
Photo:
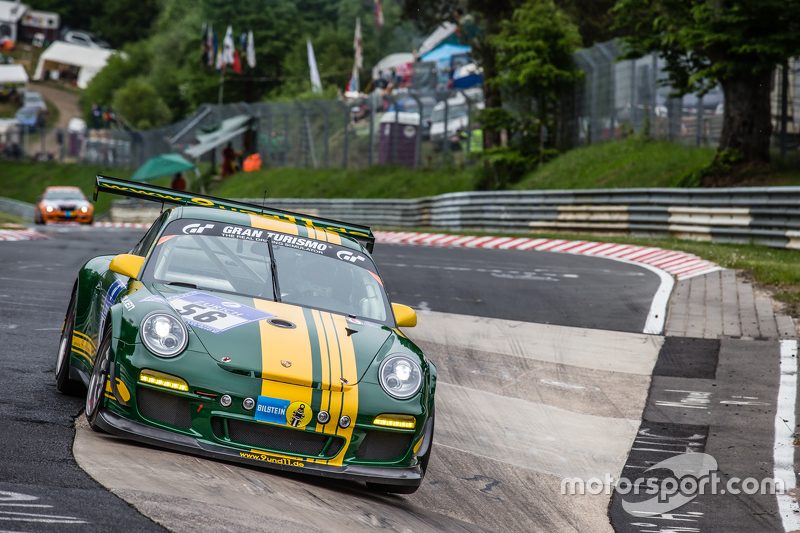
(164, 408)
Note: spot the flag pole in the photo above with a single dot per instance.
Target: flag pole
(221, 85)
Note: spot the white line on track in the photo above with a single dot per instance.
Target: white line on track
(783, 458)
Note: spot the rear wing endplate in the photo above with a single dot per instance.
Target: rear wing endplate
(362, 234)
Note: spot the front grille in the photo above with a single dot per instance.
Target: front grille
(164, 407)
(281, 439)
(384, 445)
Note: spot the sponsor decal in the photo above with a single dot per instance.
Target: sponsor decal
(347, 255)
(272, 459)
(212, 313)
(273, 410)
(113, 291)
(128, 304)
(191, 229)
(298, 414)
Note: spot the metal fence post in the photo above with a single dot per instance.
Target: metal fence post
(632, 95)
(268, 150)
(395, 129)
(469, 126)
(346, 136)
(653, 89)
(285, 156)
(370, 152)
(699, 122)
(418, 139)
(325, 135)
(612, 101)
(446, 138)
(784, 107)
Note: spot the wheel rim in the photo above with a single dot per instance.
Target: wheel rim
(96, 386)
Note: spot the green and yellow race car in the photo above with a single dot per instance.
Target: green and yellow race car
(254, 335)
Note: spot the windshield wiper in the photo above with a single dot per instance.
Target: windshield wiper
(273, 266)
(182, 284)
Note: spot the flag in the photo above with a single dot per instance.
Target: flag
(378, 15)
(237, 63)
(357, 46)
(316, 83)
(211, 45)
(352, 84)
(251, 50)
(228, 47)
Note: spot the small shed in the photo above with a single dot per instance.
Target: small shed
(44, 22)
(72, 61)
(10, 15)
(398, 138)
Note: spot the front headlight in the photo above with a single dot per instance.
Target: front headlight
(400, 376)
(84, 209)
(49, 208)
(163, 334)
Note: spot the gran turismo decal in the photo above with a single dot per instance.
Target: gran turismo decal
(191, 229)
(347, 255)
(113, 291)
(212, 313)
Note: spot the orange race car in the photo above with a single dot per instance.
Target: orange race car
(63, 204)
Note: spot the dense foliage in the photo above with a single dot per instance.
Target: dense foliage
(168, 56)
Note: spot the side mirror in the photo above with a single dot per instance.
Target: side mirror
(404, 316)
(127, 264)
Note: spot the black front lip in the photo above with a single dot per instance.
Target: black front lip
(117, 425)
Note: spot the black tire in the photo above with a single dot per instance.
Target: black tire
(407, 489)
(95, 392)
(37, 218)
(64, 383)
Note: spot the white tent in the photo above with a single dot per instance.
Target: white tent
(389, 62)
(88, 61)
(445, 30)
(13, 75)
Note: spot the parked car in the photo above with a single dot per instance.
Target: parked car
(30, 117)
(34, 99)
(84, 38)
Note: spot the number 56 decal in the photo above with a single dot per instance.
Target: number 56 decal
(212, 313)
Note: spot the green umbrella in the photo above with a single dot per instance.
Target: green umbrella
(162, 165)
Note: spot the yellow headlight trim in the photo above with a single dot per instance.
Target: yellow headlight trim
(165, 381)
(396, 421)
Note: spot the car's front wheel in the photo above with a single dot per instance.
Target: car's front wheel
(64, 383)
(97, 383)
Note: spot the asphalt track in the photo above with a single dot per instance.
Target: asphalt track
(467, 491)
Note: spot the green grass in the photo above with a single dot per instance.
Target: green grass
(25, 181)
(9, 220)
(375, 182)
(629, 163)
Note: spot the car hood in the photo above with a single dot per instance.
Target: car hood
(280, 341)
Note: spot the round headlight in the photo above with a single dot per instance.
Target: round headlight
(163, 334)
(84, 209)
(49, 208)
(400, 376)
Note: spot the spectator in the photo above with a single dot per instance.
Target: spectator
(97, 116)
(178, 182)
(228, 159)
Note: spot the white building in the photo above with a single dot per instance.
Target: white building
(10, 15)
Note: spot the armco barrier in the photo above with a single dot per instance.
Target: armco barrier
(23, 210)
(761, 215)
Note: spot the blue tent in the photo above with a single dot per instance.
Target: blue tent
(444, 53)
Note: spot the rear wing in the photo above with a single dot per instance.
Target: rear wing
(362, 234)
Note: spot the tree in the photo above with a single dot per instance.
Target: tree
(125, 21)
(736, 43)
(535, 59)
(140, 105)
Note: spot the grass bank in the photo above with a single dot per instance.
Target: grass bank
(25, 181)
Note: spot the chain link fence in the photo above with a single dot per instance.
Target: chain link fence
(620, 97)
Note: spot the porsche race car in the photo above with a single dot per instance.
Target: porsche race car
(253, 335)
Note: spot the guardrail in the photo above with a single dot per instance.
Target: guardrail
(23, 210)
(761, 215)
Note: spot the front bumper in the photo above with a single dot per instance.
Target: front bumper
(118, 425)
(61, 216)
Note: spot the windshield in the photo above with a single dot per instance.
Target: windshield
(236, 259)
(63, 195)
(455, 111)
